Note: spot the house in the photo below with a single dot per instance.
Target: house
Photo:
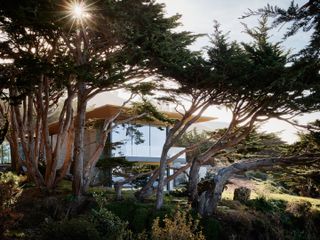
(152, 134)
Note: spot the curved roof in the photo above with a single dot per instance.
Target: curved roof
(96, 110)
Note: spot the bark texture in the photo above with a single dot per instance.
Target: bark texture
(209, 199)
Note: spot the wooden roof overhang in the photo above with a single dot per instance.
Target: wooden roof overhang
(108, 111)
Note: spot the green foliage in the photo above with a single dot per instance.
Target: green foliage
(151, 111)
(264, 205)
(211, 228)
(139, 215)
(108, 225)
(73, 229)
(10, 191)
(309, 142)
(255, 144)
(193, 137)
(302, 180)
(261, 75)
(111, 162)
(99, 224)
(141, 219)
(305, 17)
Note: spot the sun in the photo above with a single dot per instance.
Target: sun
(78, 13)
(79, 10)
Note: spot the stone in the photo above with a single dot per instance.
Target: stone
(242, 194)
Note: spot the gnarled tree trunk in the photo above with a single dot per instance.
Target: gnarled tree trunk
(193, 180)
(77, 184)
(208, 200)
(162, 173)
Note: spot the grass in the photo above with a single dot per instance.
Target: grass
(263, 191)
(290, 198)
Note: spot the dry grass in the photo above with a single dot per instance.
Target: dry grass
(263, 191)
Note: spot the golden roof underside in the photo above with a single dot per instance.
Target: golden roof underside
(108, 111)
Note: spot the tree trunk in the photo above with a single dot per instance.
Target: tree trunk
(208, 200)
(91, 163)
(162, 173)
(118, 189)
(61, 173)
(194, 180)
(146, 191)
(16, 162)
(77, 184)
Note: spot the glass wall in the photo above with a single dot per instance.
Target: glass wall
(138, 140)
(5, 155)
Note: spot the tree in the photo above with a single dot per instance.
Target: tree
(257, 85)
(255, 145)
(303, 180)
(110, 45)
(34, 83)
(272, 90)
(191, 78)
(254, 82)
(210, 198)
(138, 40)
(305, 17)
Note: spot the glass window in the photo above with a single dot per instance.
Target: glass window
(157, 139)
(5, 155)
(158, 136)
(141, 140)
(121, 141)
(138, 140)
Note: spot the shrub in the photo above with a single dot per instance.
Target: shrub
(181, 227)
(211, 228)
(242, 194)
(299, 209)
(140, 219)
(109, 225)
(73, 229)
(179, 192)
(9, 193)
(9, 190)
(264, 205)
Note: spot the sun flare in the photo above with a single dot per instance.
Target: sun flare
(79, 10)
(78, 13)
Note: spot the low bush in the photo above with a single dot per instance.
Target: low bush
(140, 220)
(73, 229)
(179, 192)
(9, 193)
(242, 194)
(264, 205)
(9, 190)
(299, 209)
(181, 227)
(109, 225)
(211, 228)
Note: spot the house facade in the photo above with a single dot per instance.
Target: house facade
(145, 150)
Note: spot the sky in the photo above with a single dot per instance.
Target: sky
(198, 17)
